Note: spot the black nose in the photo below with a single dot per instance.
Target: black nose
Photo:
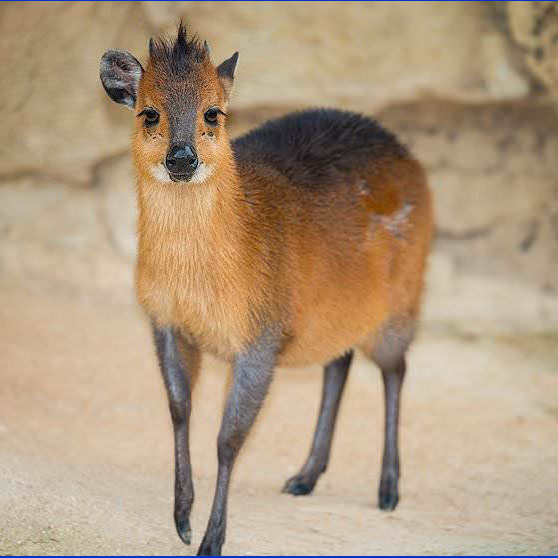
(182, 160)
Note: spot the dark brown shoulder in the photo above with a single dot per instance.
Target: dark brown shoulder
(317, 147)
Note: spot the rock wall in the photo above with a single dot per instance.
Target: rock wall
(471, 86)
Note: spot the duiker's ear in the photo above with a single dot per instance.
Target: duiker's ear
(207, 49)
(120, 75)
(225, 71)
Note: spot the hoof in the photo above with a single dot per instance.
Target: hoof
(298, 486)
(388, 494)
(183, 529)
(210, 549)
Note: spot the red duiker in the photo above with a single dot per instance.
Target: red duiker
(290, 245)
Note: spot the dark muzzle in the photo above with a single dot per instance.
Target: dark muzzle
(181, 162)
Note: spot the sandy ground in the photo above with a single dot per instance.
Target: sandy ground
(86, 454)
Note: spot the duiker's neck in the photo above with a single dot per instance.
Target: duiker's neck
(198, 210)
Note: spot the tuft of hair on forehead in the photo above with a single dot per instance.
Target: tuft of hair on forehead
(177, 56)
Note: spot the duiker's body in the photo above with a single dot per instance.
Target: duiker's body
(291, 245)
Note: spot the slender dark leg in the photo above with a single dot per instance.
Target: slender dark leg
(252, 373)
(335, 376)
(393, 380)
(179, 364)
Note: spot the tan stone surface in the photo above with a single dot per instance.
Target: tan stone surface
(54, 109)
(357, 54)
(54, 236)
(115, 180)
(534, 27)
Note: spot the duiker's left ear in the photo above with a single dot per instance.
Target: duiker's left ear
(225, 71)
(120, 75)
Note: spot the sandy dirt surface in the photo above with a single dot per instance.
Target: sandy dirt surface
(86, 452)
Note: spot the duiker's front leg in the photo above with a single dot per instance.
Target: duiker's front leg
(179, 363)
(252, 373)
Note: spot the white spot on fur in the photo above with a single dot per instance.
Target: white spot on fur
(396, 222)
(363, 187)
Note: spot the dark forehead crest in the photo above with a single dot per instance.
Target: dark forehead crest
(176, 57)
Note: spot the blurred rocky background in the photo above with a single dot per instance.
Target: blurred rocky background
(472, 87)
(85, 436)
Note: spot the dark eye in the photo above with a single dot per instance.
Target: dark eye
(211, 115)
(151, 116)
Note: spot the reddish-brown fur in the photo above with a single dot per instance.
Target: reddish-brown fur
(203, 267)
(200, 266)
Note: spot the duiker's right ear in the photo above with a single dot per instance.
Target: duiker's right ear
(225, 73)
(120, 75)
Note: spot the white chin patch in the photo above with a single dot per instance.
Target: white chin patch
(203, 172)
(159, 173)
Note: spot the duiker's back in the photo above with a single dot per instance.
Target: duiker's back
(318, 148)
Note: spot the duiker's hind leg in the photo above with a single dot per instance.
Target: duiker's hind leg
(335, 376)
(388, 494)
(389, 355)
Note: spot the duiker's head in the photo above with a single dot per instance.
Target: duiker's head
(180, 100)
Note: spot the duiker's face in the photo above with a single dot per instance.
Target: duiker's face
(180, 101)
